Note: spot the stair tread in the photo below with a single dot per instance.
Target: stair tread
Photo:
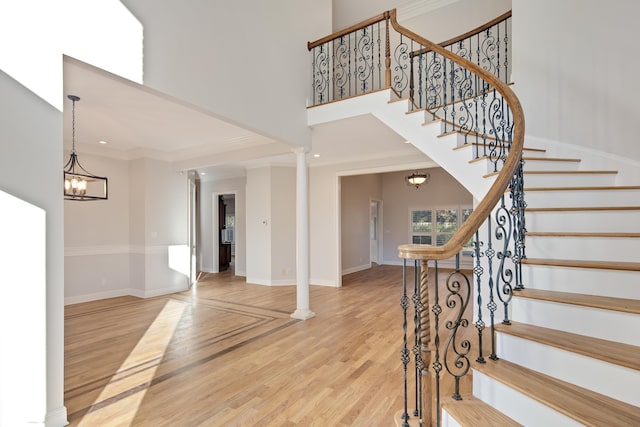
(473, 144)
(605, 265)
(473, 412)
(570, 171)
(582, 405)
(551, 159)
(578, 234)
(621, 354)
(561, 172)
(586, 188)
(596, 301)
(584, 208)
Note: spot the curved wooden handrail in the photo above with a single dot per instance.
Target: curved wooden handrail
(356, 27)
(478, 30)
(486, 205)
(466, 35)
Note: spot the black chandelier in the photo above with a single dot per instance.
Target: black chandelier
(417, 179)
(79, 184)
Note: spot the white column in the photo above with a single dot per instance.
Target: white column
(302, 238)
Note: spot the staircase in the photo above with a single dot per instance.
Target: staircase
(570, 352)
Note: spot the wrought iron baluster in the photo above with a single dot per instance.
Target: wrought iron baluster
(416, 336)
(491, 305)
(404, 353)
(504, 275)
(459, 293)
(401, 55)
(436, 309)
(478, 271)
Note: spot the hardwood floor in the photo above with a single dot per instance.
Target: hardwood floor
(228, 354)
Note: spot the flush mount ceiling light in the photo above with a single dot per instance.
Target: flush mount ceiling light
(417, 179)
(79, 184)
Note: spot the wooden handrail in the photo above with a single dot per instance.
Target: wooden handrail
(486, 205)
(356, 27)
(478, 30)
(466, 35)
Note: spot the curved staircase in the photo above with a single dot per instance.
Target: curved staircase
(570, 352)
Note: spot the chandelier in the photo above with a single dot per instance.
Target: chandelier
(417, 179)
(79, 184)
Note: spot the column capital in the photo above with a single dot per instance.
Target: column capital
(300, 150)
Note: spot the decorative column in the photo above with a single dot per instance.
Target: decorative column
(302, 237)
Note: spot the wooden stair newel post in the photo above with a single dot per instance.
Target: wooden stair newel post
(425, 343)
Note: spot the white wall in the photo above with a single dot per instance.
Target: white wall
(96, 236)
(435, 20)
(283, 225)
(271, 225)
(574, 70)
(258, 215)
(245, 60)
(30, 169)
(207, 227)
(356, 194)
(120, 246)
(442, 190)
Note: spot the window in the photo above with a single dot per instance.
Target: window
(447, 221)
(421, 227)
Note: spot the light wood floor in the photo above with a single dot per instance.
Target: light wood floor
(228, 354)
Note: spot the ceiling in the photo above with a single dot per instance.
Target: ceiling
(136, 121)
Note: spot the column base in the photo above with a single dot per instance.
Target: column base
(302, 314)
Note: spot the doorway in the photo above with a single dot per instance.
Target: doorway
(225, 231)
(374, 231)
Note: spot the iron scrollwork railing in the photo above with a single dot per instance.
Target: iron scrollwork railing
(463, 84)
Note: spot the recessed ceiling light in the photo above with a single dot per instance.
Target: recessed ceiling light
(316, 155)
(407, 142)
(203, 173)
(102, 142)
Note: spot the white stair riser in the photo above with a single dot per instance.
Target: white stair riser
(584, 221)
(615, 381)
(581, 198)
(583, 248)
(582, 280)
(567, 180)
(550, 165)
(516, 405)
(604, 324)
(448, 420)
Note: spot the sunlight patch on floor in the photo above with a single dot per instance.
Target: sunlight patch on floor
(129, 386)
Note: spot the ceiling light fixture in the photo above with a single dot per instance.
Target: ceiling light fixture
(79, 184)
(417, 179)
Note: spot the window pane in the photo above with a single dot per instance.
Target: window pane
(421, 240)
(421, 221)
(446, 220)
(466, 213)
(442, 239)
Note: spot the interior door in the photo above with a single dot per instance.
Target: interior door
(374, 225)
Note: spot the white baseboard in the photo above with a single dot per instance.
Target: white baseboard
(102, 295)
(56, 418)
(267, 282)
(121, 293)
(324, 282)
(356, 269)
